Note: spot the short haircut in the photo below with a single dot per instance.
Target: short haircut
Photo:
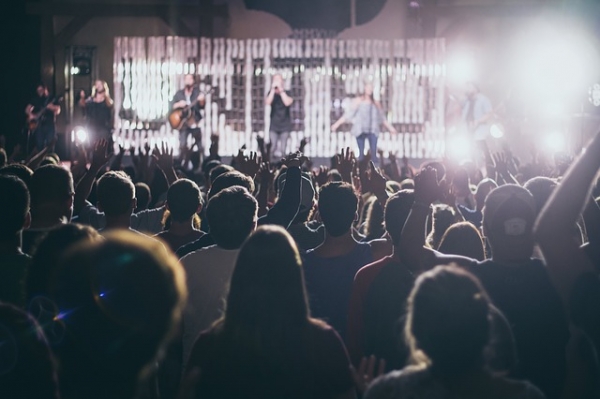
(218, 170)
(397, 209)
(338, 204)
(183, 200)
(231, 216)
(334, 175)
(230, 179)
(143, 194)
(115, 193)
(50, 184)
(208, 166)
(541, 188)
(23, 172)
(14, 205)
(3, 157)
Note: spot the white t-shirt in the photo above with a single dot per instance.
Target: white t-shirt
(208, 272)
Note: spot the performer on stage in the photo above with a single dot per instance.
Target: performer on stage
(99, 114)
(476, 113)
(281, 122)
(366, 116)
(190, 95)
(41, 114)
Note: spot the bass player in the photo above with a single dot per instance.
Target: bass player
(41, 114)
(190, 95)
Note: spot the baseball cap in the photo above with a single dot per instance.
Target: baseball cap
(509, 210)
(307, 192)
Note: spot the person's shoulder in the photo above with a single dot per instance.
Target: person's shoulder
(401, 383)
(367, 271)
(516, 389)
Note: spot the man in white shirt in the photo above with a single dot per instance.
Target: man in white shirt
(232, 216)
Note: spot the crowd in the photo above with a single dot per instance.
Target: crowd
(254, 279)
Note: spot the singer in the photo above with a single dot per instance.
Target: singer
(281, 122)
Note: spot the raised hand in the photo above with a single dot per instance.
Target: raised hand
(249, 165)
(366, 372)
(427, 189)
(100, 154)
(163, 157)
(303, 144)
(295, 159)
(375, 180)
(266, 174)
(345, 164)
(500, 163)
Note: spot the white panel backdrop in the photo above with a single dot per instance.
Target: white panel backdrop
(321, 74)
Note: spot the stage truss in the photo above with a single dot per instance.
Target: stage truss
(321, 74)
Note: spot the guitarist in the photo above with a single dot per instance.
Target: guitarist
(41, 114)
(184, 97)
(477, 112)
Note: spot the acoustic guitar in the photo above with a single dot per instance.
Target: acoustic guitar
(34, 120)
(179, 117)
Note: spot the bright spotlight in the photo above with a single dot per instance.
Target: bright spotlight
(461, 68)
(458, 148)
(79, 134)
(555, 142)
(496, 131)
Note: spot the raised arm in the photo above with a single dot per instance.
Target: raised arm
(270, 97)
(287, 100)
(83, 189)
(553, 228)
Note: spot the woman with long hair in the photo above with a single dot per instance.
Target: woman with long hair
(267, 345)
(448, 331)
(99, 113)
(463, 239)
(366, 116)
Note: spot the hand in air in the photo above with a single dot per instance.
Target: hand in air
(366, 372)
(427, 189)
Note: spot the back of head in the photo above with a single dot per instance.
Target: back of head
(231, 216)
(23, 172)
(219, 170)
(541, 188)
(27, 367)
(397, 209)
(14, 206)
(448, 305)
(334, 175)
(50, 185)
(338, 205)
(483, 189)
(115, 193)
(48, 252)
(230, 179)
(119, 299)
(508, 217)
(443, 216)
(267, 286)
(183, 200)
(143, 195)
(207, 167)
(463, 239)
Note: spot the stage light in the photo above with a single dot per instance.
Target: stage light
(496, 131)
(555, 142)
(79, 134)
(458, 148)
(461, 67)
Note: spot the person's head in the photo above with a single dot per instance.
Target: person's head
(541, 188)
(368, 89)
(14, 207)
(189, 80)
(183, 200)
(143, 196)
(267, 285)
(120, 300)
(231, 216)
(338, 205)
(463, 239)
(47, 254)
(374, 221)
(42, 89)
(443, 216)
(21, 171)
(27, 366)
(448, 305)
(307, 196)
(116, 194)
(508, 217)
(277, 80)
(230, 179)
(207, 168)
(3, 157)
(334, 175)
(219, 170)
(407, 184)
(101, 87)
(397, 208)
(483, 189)
(471, 88)
(52, 193)
(48, 161)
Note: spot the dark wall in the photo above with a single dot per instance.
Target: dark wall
(20, 49)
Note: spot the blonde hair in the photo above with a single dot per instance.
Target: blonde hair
(107, 99)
